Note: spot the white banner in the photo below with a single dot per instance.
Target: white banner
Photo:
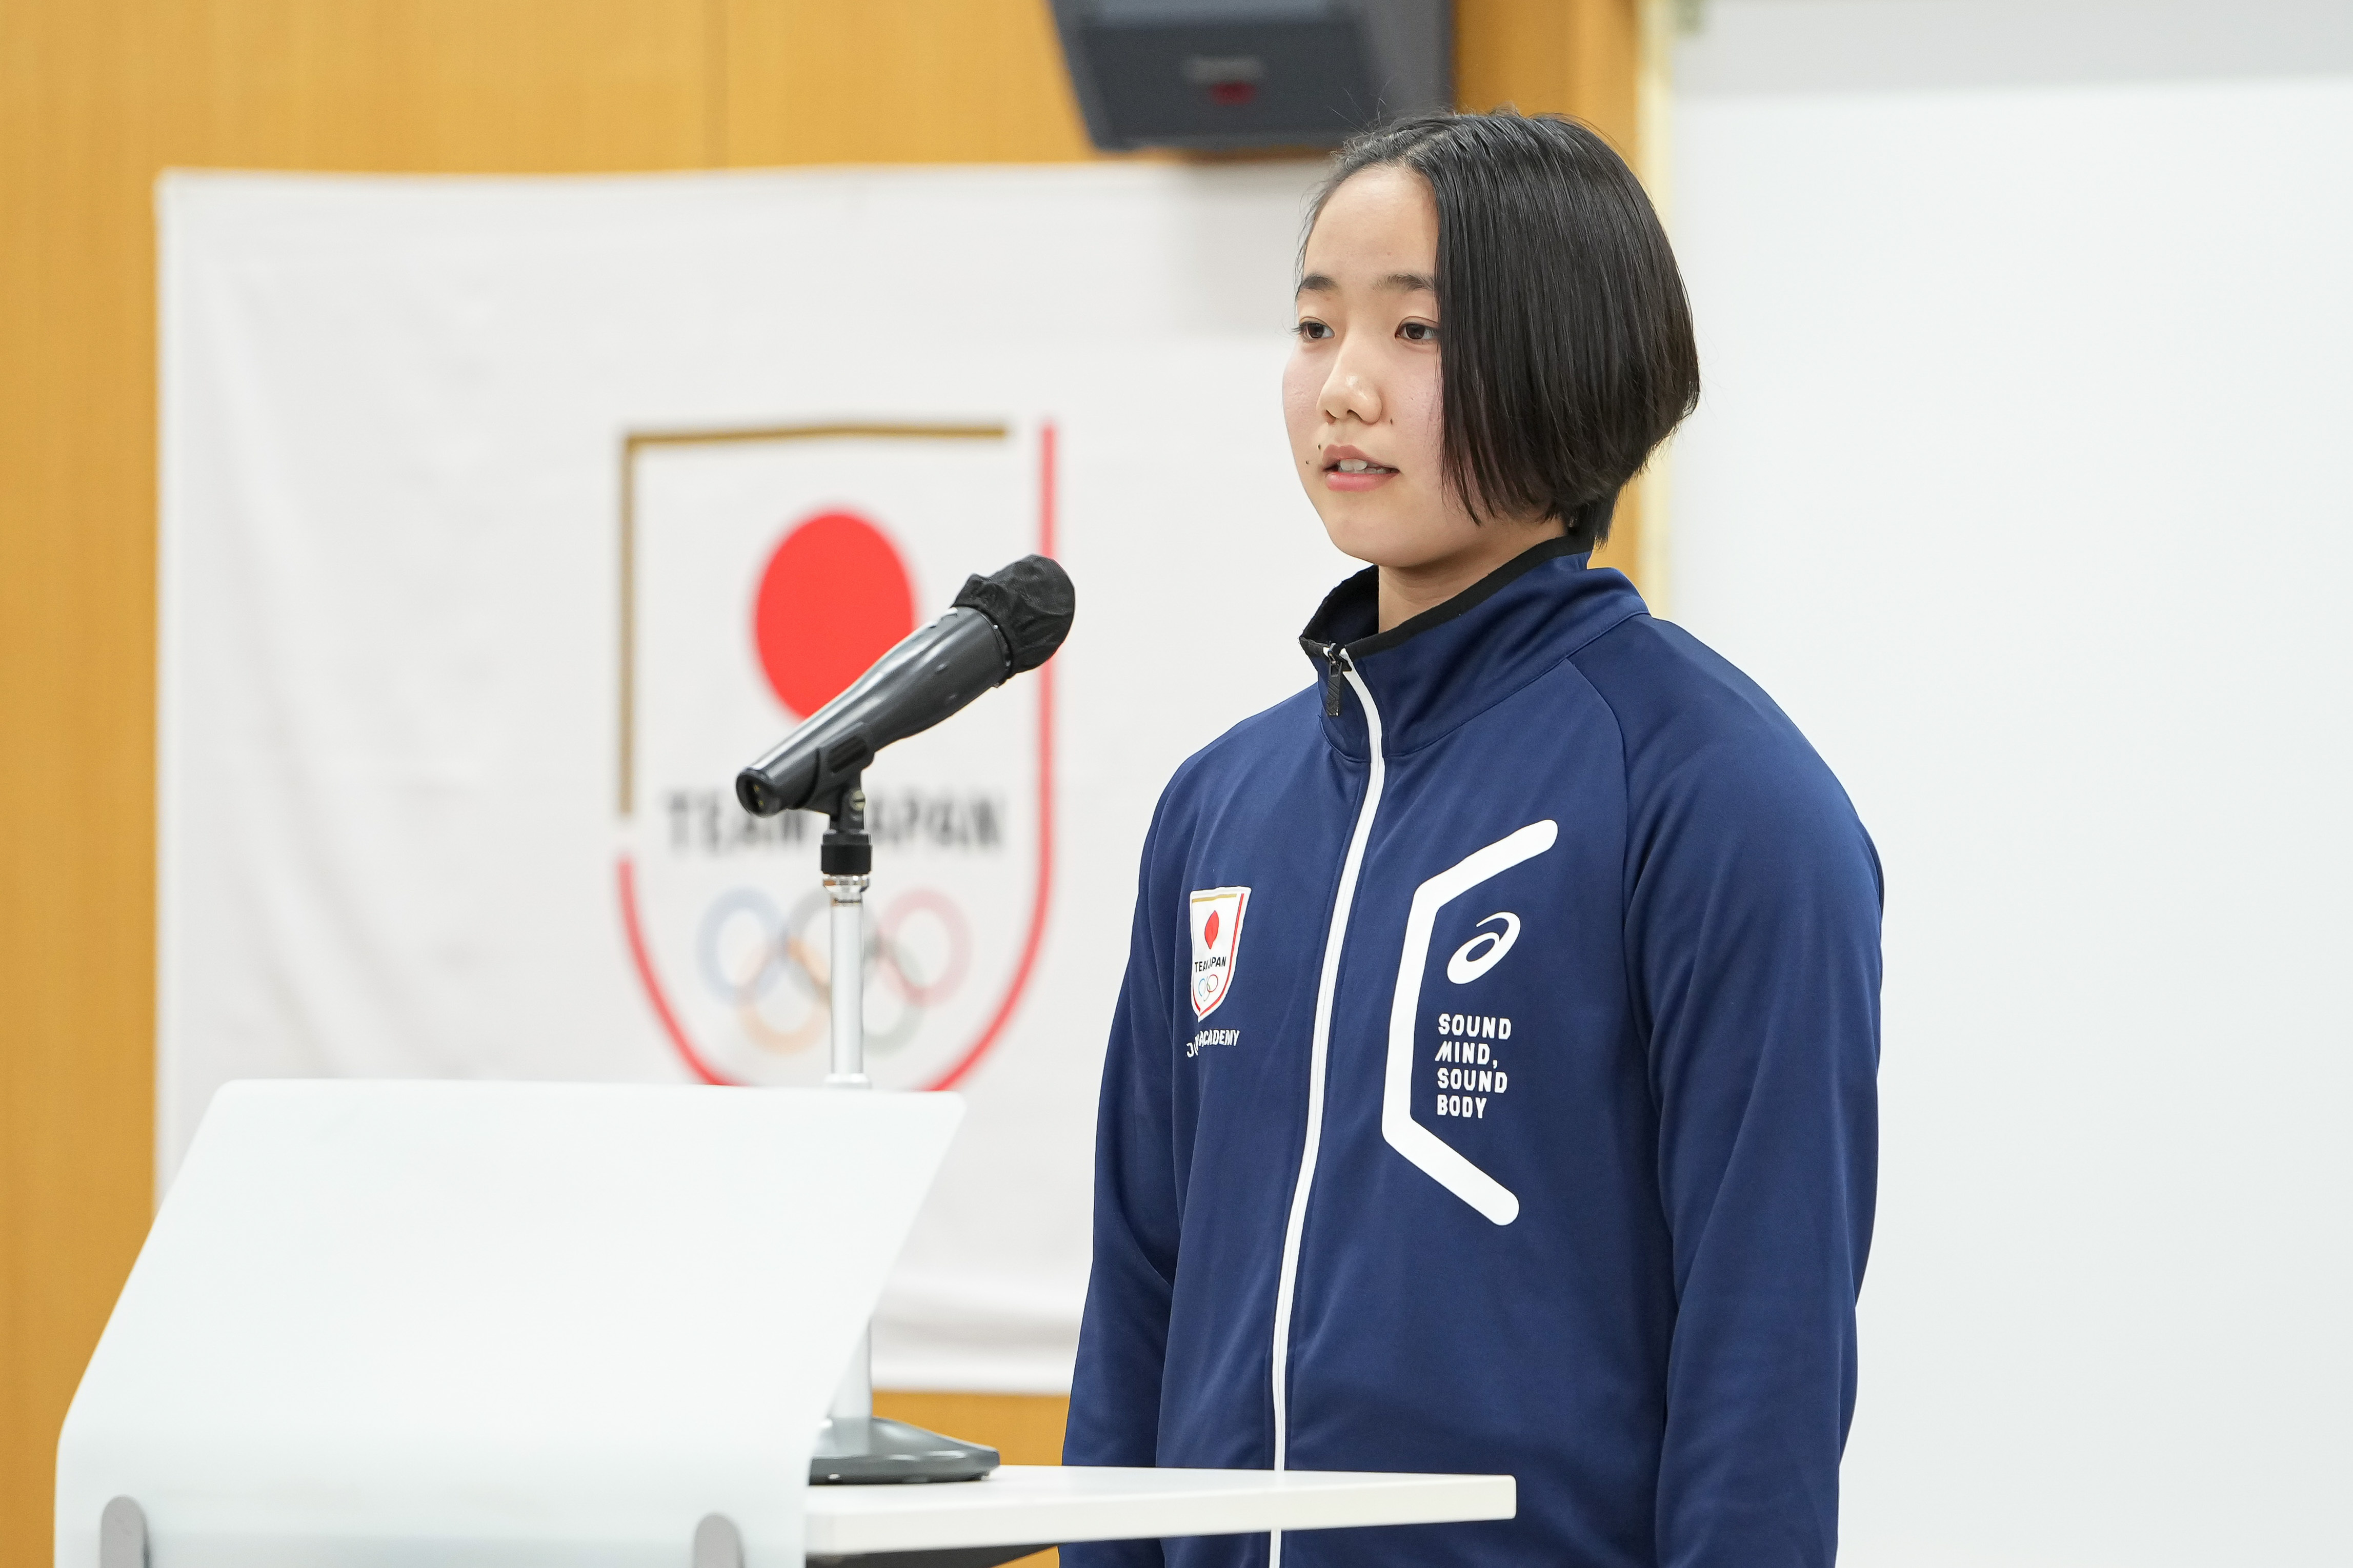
(504, 520)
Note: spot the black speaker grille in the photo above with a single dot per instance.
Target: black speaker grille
(1205, 84)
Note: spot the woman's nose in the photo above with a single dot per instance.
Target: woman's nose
(1352, 391)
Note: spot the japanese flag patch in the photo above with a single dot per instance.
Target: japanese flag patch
(1217, 918)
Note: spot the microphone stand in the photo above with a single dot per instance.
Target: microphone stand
(855, 1446)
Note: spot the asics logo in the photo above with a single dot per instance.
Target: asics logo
(1467, 964)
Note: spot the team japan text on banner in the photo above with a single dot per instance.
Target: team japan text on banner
(829, 543)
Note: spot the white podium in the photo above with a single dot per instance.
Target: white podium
(387, 1325)
(1022, 1507)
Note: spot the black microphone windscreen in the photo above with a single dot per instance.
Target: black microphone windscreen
(1031, 602)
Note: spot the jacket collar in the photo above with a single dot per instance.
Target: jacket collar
(1432, 673)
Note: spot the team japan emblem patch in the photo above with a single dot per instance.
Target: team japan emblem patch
(1215, 914)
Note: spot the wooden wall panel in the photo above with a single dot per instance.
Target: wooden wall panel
(1573, 58)
(96, 98)
(913, 81)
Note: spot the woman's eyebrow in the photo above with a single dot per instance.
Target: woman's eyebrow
(1397, 282)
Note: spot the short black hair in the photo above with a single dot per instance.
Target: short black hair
(1564, 331)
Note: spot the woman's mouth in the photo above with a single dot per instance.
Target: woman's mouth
(1356, 473)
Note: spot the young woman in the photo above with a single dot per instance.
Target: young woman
(1492, 1087)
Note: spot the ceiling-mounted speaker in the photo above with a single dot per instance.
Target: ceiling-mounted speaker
(1253, 73)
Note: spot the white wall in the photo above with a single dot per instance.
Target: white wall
(2022, 481)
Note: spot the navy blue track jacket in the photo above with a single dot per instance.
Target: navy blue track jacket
(1493, 1089)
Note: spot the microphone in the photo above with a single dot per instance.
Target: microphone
(1001, 624)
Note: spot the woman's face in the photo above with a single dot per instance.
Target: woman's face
(1362, 394)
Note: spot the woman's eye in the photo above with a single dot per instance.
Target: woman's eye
(1312, 331)
(1418, 332)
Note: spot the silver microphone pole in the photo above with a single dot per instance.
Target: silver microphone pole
(855, 1446)
(853, 1403)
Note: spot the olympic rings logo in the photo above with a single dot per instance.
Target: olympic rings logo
(763, 962)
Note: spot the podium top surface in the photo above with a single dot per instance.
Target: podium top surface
(1046, 1504)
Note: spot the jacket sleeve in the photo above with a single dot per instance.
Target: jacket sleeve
(1124, 1337)
(1753, 931)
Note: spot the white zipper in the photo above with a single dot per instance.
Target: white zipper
(1286, 1283)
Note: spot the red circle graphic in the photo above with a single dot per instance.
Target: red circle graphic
(834, 599)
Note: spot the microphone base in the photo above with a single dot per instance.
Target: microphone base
(874, 1450)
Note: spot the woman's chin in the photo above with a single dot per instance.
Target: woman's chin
(1396, 545)
(1382, 534)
